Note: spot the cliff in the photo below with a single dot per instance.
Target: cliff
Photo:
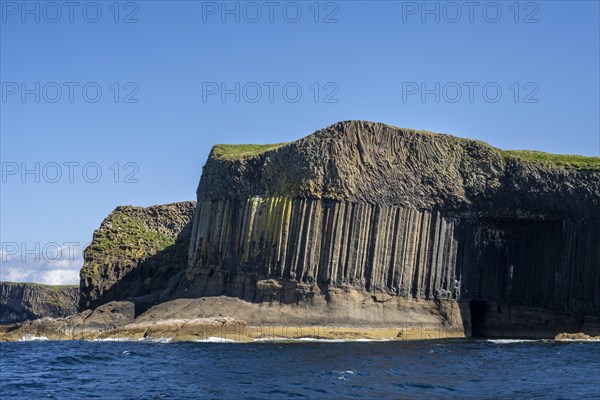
(136, 254)
(364, 225)
(25, 301)
(367, 207)
(373, 163)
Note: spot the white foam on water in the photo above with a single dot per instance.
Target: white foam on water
(311, 339)
(273, 339)
(122, 339)
(214, 339)
(363, 340)
(318, 340)
(156, 340)
(343, 374)
(32, 338)
(508, 341)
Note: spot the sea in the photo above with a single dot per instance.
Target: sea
(213, 369)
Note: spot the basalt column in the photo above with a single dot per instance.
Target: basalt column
(400, 251)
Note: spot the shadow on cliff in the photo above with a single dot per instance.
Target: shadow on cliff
(151, 280)
(162, 277)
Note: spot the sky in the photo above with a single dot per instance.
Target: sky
(107, 103)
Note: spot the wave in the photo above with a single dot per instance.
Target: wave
(156, 340)
(122, 339)
(509, 341)
(319, 340)
(32, 338)
(214, 339)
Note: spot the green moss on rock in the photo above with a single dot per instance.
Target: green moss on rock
(240, 151)
(51, 287)
(561, 160)
(129, 237)
(132, 239)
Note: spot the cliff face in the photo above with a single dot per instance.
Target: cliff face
(365, 162)
(25, 301)
(137, 253)
(366, 224)
(369, 207)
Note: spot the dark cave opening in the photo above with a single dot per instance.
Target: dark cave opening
(478, 315)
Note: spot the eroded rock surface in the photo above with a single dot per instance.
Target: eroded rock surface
(25, 301)
(363, 226)
(403, 213)
(87, 324)
(136, 254)
(374, 163)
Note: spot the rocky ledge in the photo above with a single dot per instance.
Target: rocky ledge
(225, 318)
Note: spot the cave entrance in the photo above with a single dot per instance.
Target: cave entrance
(478, 310)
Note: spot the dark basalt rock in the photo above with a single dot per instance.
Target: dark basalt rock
(374, 217)
(25, 301)
(136, 254)
(373, 163)
(88, 324)
(411, 214)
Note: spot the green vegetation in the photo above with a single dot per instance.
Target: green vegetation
(562, 160)
(233, 152)
(52, 287)
(57, 299)
(129, 237)
(53, 295)
(239, 151)
(56, 287)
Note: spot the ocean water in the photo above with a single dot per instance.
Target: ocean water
(447, 369)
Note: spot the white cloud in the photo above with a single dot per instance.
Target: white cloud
(60, 277)
(13, 275)
(57, 266)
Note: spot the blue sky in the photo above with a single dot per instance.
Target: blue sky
(140, 91)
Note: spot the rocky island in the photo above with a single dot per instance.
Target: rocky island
(359, 230)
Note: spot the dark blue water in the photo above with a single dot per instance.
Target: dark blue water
(376, 370)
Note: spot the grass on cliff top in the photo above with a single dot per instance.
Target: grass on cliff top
(563, 160)
(53, 287)
(238, 151)
(129, 237)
